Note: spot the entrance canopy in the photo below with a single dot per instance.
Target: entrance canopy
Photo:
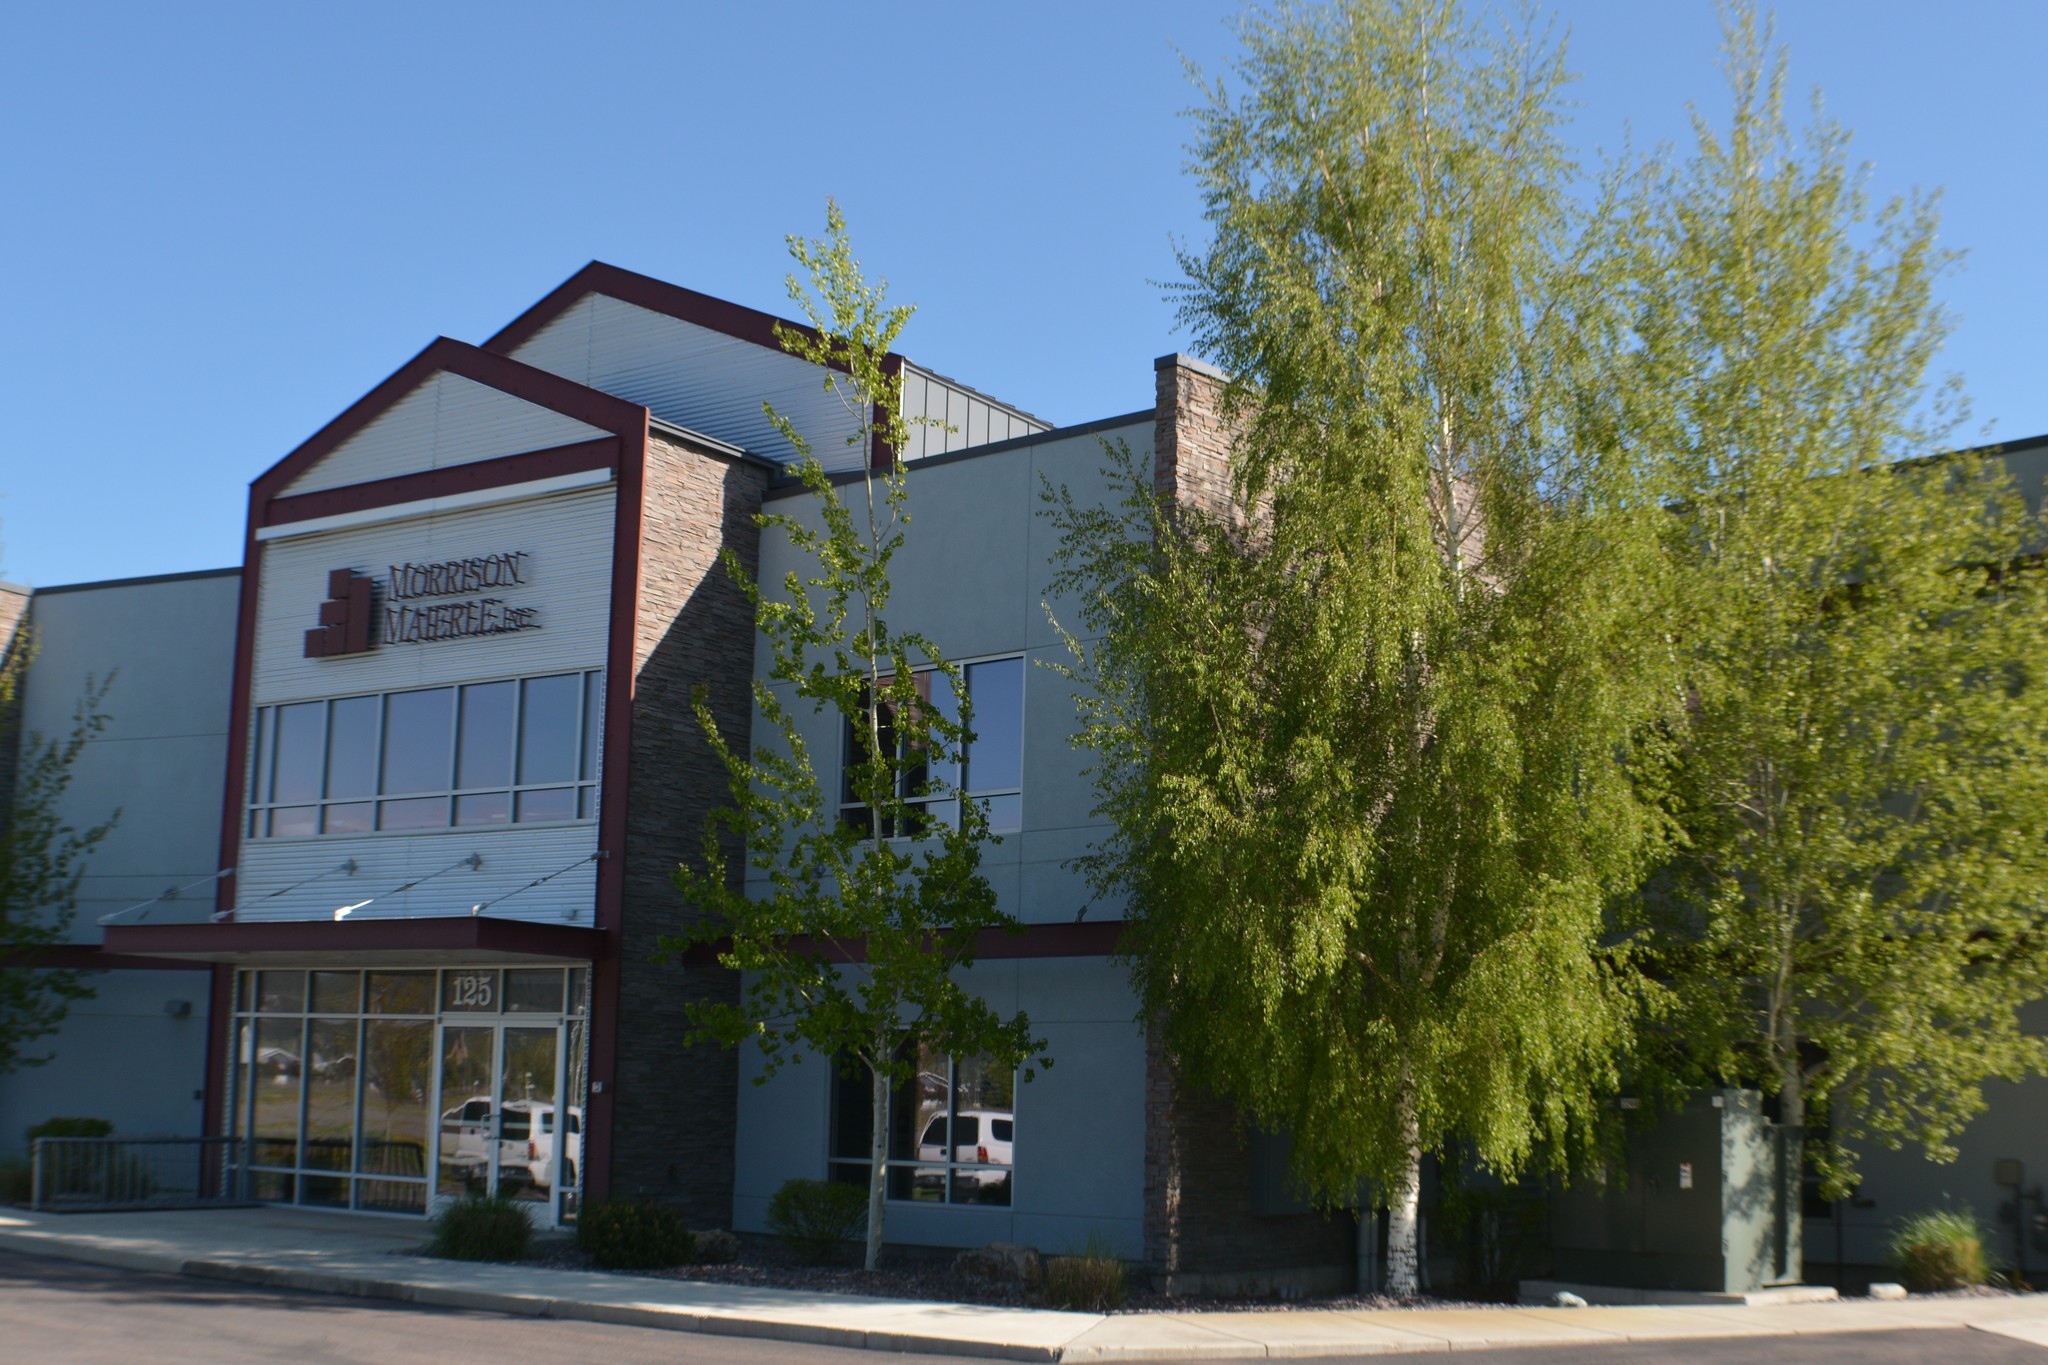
(426, 941)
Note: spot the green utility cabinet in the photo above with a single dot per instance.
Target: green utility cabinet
(1710, 1203)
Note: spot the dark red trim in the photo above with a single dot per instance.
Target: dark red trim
(84, 957)
(450, 934)
(220, 1022)
(611, 816)
(509, 376)
(880, 453)
(232, 818)
(602, 453)
(991, 945)
(644, 291)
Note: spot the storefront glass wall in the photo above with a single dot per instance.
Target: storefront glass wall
(339, 1073)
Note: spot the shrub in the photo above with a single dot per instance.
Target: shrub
(630, 1234)
(14, 1181)
(481, 1228)
(816, 1218)
(1940, 1250)
(70, 1128)
(1089, 1281)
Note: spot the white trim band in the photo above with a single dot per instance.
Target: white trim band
(451, 502)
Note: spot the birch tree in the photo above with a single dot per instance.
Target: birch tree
(852, 943)
(1359, 735)
(1861, 911)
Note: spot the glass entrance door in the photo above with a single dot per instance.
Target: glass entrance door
(502, 1131)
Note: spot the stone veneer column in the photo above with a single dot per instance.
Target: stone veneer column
(674, 1107)
(1203, 1229)
(1190, 439)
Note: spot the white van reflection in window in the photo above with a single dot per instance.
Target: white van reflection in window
(526, 1142)
(981, 1136)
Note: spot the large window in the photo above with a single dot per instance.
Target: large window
(335, 1071)
(516, 751)
(952, 1130)
(992, 770)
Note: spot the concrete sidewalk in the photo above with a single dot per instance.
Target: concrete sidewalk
(343, 1254)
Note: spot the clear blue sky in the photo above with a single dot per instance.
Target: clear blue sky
(225, 222)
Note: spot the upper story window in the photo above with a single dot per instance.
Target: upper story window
(517, 751)
(992, 770)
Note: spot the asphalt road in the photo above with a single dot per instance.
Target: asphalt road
(59, 1312)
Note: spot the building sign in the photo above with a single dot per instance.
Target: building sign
(410, 616)
(346, 617)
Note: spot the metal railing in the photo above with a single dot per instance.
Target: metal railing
(101, 1174)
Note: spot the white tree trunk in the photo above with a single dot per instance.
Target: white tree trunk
(1404, 1211)
(878, 1157)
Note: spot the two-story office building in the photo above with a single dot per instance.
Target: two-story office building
(461, 766)
(455, 763)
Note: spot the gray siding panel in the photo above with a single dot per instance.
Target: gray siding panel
(569, 539)
(696, 378)
(958, 418)
(447, 420)
(512, 857)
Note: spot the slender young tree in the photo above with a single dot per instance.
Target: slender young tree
(1861, 910)
(852, 943)
(42, 860)
(1359, 734)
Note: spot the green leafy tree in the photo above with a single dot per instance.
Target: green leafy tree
(1864, 775)
(1359, 733)
(897, 886)
(42, 860)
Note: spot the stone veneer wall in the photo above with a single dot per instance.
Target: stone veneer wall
(1203, 1233)
(673, 1110)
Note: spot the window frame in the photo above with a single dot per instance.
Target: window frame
(583, 783)
(857, 1169)
(960, 771)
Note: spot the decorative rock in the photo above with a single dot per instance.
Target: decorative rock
(1000, 1263)
(1887, 1290)
(716, 1246)
(1564, 1298)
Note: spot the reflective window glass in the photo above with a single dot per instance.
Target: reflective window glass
(266, 738)
(398, 1068)
(331, 1095)
(593, 720)
(484, 808)
(484, 755)
(995, 759)
(554, 803)
(548, 728)
(533, 991)
(289, 822)
(274, 1077)
(426, 812)
(418, 730)
(337, 992)
(401, 993)
(352, 747)
(300, 747)
(351, 817)
(281, 992)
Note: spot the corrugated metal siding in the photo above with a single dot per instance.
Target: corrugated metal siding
(447, 420)
(569, 537)
(512, 857)
(974, 419)
(697, 378)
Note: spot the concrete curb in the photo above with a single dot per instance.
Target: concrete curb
(1060, 1337)
(522, 1305)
